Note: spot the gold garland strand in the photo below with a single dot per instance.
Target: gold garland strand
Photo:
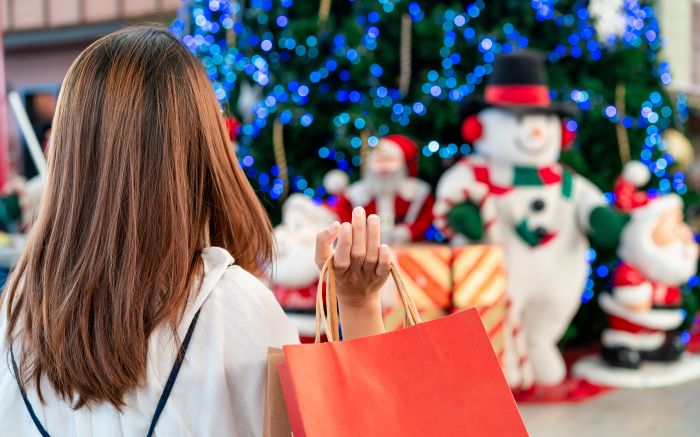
(324, 10)
(364, 149)
(231, 37)
(230, 33)
(280, 157)
(623, 140)
(405, 52)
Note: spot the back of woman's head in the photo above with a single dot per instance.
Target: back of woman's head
(141, 178)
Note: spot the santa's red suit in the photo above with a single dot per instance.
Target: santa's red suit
(641, 330)
(405, 213)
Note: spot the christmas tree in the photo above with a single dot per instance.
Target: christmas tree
(316, 83)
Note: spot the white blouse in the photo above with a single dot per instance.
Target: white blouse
(220, 390)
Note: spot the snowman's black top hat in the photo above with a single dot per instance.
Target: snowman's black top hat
(518, 83)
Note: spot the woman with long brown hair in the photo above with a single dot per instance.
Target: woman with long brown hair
(135, 303)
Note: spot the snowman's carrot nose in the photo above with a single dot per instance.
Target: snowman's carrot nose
(538, 132)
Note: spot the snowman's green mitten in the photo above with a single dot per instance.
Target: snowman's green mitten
(465, 218)
(606, 226)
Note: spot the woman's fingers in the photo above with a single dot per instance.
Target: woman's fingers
(324, 243)
(359, 237)
(358, 246)
(384, 261)
(342, 251)
(373, 241)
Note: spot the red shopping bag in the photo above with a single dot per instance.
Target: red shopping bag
(439, 378)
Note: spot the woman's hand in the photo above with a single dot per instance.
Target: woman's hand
(361, 266)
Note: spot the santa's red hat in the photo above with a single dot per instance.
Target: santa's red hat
(408, 148)
(336, 181)
(629, 197)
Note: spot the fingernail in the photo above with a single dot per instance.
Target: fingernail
(373, 219)
(333, 227)
(359, 212)
(347, 228)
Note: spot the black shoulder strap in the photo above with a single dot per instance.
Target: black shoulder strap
(27, 404)
(173, 375)
(163, 397)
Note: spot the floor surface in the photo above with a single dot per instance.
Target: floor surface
(671, 411)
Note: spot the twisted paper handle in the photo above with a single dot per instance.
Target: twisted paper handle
(330, 322)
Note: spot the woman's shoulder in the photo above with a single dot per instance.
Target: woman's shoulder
(240, 300)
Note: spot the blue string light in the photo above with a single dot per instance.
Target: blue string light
(257, 54)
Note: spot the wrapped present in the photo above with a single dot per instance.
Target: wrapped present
(479, 281)
(425, 269)
(479, 276)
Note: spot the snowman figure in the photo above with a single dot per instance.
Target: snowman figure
(513, 192)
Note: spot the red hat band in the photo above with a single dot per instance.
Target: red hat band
(515, 94)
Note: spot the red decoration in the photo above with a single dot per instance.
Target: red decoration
(567, 136)
(471, 129)
(233, 126)
(525, 94)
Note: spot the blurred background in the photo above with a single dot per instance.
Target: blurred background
(41, 40)
(593, 49)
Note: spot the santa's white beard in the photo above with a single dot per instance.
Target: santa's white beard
(672, 264)
(295, 266)
(384, 184)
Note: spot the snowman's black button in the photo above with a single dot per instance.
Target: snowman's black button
(541, 232)
(537, 205)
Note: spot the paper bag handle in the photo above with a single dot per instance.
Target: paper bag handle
(331, 322)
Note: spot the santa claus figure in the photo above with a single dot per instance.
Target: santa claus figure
(389, 187)
(295, 274)
(658, 255)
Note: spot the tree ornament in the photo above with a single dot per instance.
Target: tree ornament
(471, 129)
(336, 181)
(623, 142)
(280, 156)
(364, 149)
(609, 17)
(233, 127)
(324, 11)
(567, 136)
(680, 148)
(247, 99)
(405, 50)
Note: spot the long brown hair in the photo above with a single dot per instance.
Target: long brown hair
(142, 177)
